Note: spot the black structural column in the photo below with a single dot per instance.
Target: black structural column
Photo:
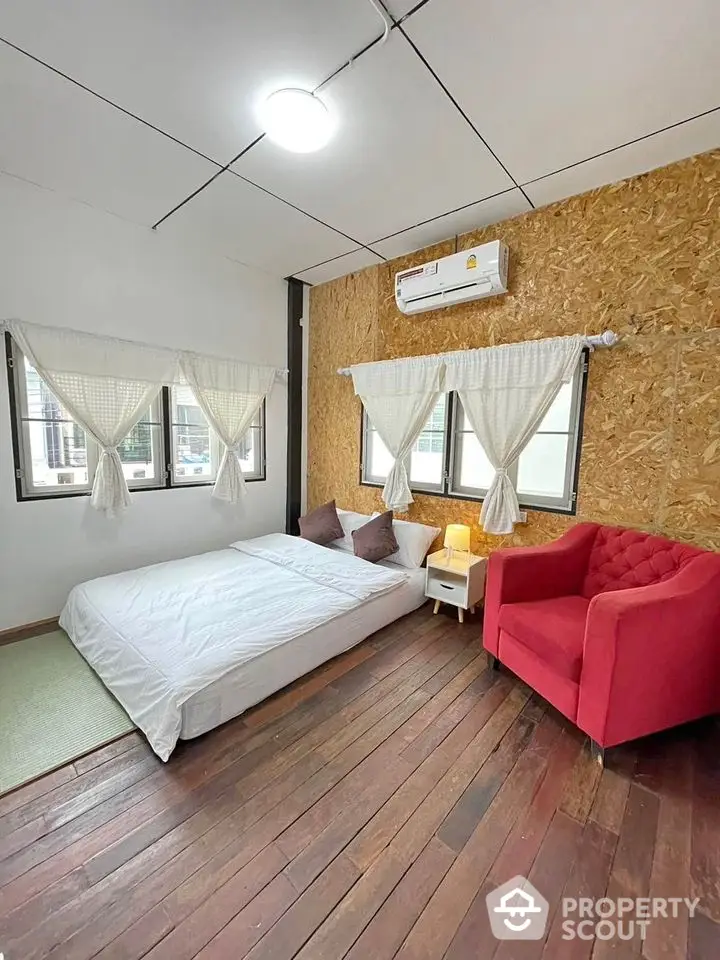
(295, 405)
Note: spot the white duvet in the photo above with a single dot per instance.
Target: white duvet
(158, 635)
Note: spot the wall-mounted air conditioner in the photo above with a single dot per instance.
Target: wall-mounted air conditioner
(479, 272)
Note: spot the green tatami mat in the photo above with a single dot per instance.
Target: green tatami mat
(53, 708)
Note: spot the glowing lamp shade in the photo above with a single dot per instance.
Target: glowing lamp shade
(297, 120)
(457, 536)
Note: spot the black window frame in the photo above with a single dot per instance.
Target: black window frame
(447, 492)
(165, 482)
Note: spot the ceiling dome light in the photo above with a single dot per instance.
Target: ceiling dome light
(297, 120)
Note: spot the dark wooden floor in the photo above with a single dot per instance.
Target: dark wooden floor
(363, 813)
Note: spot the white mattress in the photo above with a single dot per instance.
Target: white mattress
(254, 681)
(189, 644)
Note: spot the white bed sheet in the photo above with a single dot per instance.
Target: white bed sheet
(251, 683)
(162, 634)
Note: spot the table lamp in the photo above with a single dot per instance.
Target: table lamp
(457, 537)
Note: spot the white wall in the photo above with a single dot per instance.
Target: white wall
(67, 264)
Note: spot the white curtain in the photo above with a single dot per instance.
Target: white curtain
(106, 386)
(399, 396)
(229, 393)
(506, 391)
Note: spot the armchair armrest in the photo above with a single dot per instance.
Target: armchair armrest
(651, 658)
(518, 574)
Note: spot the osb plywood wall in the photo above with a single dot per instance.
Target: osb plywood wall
(642, 258)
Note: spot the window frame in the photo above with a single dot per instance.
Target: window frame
(451, 491)
(169, 436)
(365, 456)
(162, 444)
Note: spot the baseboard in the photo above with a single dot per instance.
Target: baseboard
(28, 630)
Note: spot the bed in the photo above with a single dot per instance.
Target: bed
(189, 644)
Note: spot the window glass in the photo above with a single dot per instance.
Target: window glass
(542, 466)
(379, 459)
(140, 452)
(193, 459)
(558, 416)
(542, 475)
(58, 454)
(57, 458)
(427, 459)
(196, 449)
(476, 471)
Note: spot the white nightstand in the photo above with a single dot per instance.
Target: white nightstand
(459, 581)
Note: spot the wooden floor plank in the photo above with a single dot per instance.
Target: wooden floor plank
(705, 856)
(303, 690)
(667, 938)
(248, 926)
(158, 869)
(299, 922)
(588, 878)
(79, 790)
(477, 734)
(704, 940)
(523, 844)
(36, 788)
(367, 810)
(268, 828)
(636, 847)
(608, 807)
(386, 931)
(582, 786)
(474, 936)
(551, 868)
(111, 750)
(425, 743)
(303, 830)
(198, 929)
(460, 823)
(633, 861)
(434, 931)
(191, 770)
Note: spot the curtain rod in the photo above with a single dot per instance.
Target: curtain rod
(606, 339)
(281, 373)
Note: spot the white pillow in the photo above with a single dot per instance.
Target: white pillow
(349, 521)
(414, 541)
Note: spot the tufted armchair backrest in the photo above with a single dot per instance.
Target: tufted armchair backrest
(622, 558)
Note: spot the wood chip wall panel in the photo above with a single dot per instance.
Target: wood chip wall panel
(641, 257)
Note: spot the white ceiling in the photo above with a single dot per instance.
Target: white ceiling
(388, 148)
(471, 112)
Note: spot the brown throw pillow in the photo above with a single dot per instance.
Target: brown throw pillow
(321, 525)
(375, 540)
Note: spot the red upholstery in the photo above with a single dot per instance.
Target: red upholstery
(622, 558)
(553, 629)
(620, 630)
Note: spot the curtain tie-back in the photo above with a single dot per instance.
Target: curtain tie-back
(501, 472)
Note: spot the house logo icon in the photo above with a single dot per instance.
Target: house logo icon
(517, 911)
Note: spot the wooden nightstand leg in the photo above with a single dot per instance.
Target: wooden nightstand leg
(461, 615)
(472, 609)
(436, 607)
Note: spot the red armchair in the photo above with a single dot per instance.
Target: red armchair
(618, 629)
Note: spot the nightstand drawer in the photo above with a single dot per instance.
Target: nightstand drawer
(447, 591)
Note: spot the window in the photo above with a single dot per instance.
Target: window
(55, 458)
(427, 459)
(447, 457)
(196, 452)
